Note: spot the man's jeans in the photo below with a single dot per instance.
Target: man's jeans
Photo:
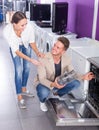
(43, 91)
(22, 68)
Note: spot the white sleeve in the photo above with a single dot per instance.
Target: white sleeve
(11, 38)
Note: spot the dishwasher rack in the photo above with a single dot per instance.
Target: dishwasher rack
(71, 112)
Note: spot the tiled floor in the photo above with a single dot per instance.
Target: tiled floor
(13, 118)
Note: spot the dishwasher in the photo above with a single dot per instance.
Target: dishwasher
(77, 112)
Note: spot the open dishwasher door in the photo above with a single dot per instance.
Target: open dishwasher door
(72, 112)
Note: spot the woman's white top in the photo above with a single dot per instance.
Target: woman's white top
(27, 37)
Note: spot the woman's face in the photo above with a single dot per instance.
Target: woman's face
(21, 25)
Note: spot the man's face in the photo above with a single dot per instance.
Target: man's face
(21, 25)
(58, 49)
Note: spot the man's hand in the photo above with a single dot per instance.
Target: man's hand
(56, 85)
(88, 76)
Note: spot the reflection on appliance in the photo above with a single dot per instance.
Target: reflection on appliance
(19, 5)
(49, 43)
(37, 38)
(86, 112)
(47, 47)
(43, 24)
(93, 94)
(42, 37)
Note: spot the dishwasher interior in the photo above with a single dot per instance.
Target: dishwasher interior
(75, 112)
(72, 113)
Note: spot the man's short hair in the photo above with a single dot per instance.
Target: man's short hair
(64, 41)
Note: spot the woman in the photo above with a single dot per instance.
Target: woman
(20, 36)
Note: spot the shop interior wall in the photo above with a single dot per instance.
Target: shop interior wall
(80, 17)
(97, 27)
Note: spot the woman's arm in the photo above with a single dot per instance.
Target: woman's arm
(34, 47)
(33, 61)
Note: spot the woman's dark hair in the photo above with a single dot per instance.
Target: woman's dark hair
(17, 16)
(64, 41)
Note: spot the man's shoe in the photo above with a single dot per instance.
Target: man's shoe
(28, 94)
(21, 104)
(43, 107)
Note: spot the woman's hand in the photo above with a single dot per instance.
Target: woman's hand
(40, 54)
(35, 62)
(35, 49)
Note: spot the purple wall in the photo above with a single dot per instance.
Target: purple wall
(80, 16)
(38, 1)
(97, 30)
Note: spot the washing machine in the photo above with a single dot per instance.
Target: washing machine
(37, 33)
(37, 37)
(52, 38)
(42, 37)
(49, 42)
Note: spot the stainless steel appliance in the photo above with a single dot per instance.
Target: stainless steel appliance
(19, 5)
(93, 94)
(72, 112)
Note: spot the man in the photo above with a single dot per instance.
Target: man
(55, 63)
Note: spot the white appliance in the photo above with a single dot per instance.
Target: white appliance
(52, 37)
(81, 42)
(87, 52)
(45, 38)
(42, 37)
(37, 38)
(49, 42)
(37, 33)
(82, 65)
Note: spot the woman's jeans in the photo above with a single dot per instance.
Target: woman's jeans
(43, 91)
(22, 68)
